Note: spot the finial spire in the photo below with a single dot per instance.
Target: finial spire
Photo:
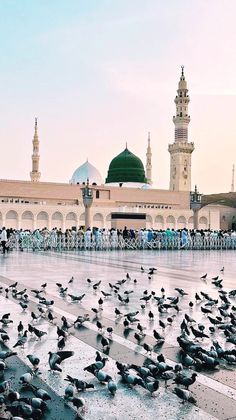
(149, 162)
(182, 71)
(126, 145)
(232, 184)
(35, 174)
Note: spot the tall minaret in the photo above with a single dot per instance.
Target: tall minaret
(149, 162)
(35, 174)
(232, 184)
(181, 149)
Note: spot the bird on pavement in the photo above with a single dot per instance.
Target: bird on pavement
(55, 359)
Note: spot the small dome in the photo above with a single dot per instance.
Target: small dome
(126, 167)
(84, 172)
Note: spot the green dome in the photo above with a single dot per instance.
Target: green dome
(126, 167)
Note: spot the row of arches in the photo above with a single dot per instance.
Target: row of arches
(28, 220)
(171, 222)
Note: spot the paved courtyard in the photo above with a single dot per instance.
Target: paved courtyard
(214, 390)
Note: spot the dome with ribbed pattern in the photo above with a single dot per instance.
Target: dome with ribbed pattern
(126, 167)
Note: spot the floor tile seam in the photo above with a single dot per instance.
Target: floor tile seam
(114, 265)
(124, 343)
(127, 345)
(28, 368)
(159, 266)
(132, 262)
(93, 328)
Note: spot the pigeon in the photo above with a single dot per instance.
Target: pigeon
(158, 336)
(39, 334)
(23, 305)
(181, 291)
(50, 316)
(22, 340)
(40, 393)
(151, 316)
(55, 359)
(112, 387)
(14, 285)
(147, 348)
(79, 384)
(184, 395)
(69, 391)
(185, 380)
(61, 343)
(5, 337)
(198, 334)
(34, 360)
(4, 354)
(26, 378)
(118, 313)
(76, 298)
(105, 343)
(81, 319)
(204, 276)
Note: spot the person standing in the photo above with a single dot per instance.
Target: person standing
(4, 239)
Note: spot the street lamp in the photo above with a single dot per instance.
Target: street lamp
(87, 194)
(195, 205)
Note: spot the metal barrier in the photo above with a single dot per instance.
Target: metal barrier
(107, 243)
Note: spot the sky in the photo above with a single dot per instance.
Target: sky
(100, 73)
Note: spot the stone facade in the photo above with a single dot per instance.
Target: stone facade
(24, 204)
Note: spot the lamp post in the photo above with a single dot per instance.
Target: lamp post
(195, 205)
(87, 194)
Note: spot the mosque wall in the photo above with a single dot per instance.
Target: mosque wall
(54, 193)
(32, 216)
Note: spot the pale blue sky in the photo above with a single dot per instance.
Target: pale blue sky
(100, 73)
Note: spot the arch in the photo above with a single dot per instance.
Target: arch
(42, 219)
(12, 219)
(98, 220)
(170, 222)
(108, 217)
(57, 220)
(108, 224)
(181, 222)
(82, 217)
(149, 221)
(57, 216)
(71, 220)
(159, 221)
(71, 216)
(27, 220)
(202, 224)
(190, 223)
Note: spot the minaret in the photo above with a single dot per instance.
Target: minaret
(149, 162)
(181, 149)
(35, 174)
(232, 185)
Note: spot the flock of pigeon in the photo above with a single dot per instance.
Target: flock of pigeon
(199, 349)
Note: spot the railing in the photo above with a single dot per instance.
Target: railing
(107, 243)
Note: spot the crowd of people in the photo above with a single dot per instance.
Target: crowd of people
(113, 238)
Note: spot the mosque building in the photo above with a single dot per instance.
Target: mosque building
(125, 198)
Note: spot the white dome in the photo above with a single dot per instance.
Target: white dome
(84, 172)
